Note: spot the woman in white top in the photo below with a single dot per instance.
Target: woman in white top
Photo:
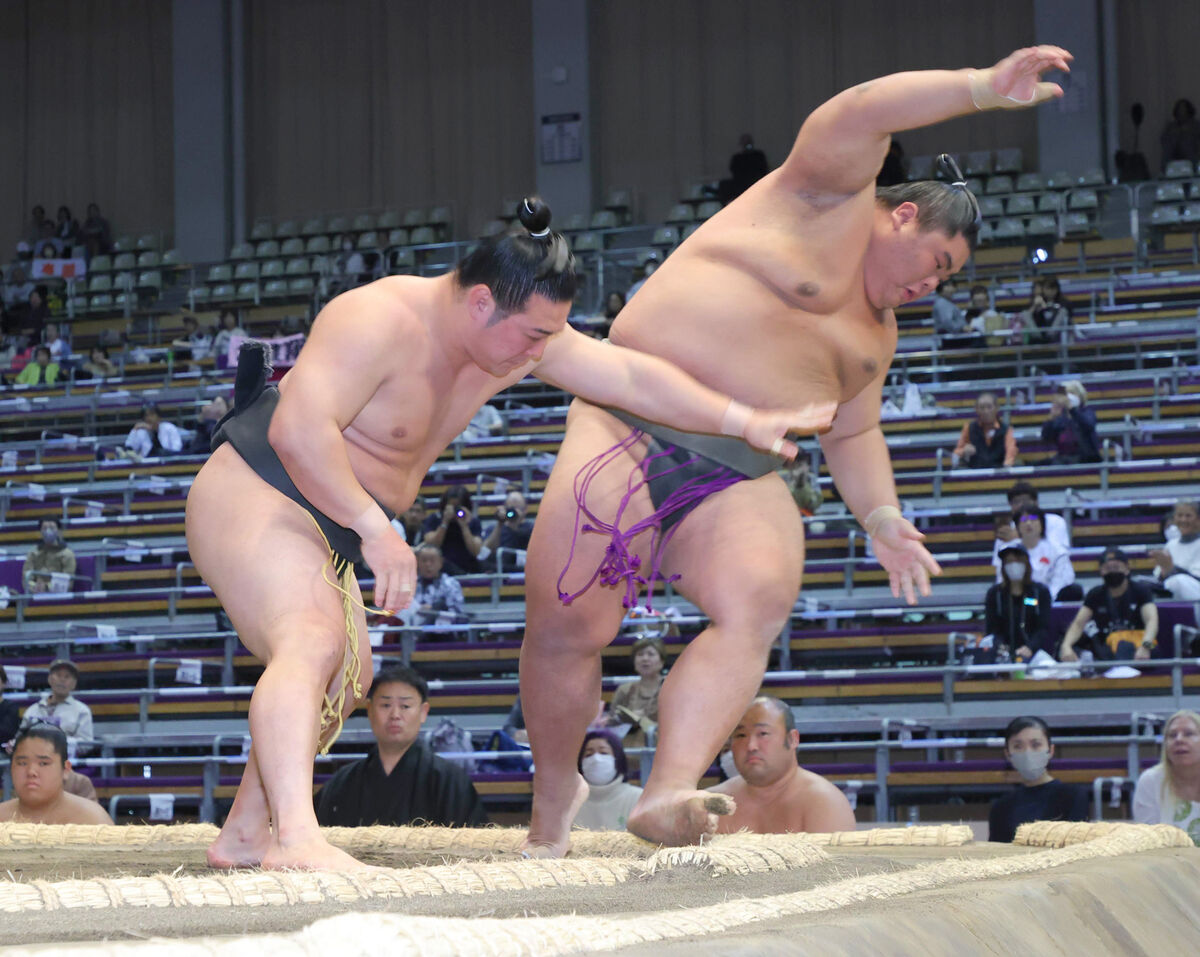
(1169, 793)
(610, 797)
(1049, 561)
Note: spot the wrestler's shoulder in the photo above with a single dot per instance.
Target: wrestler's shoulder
(394, 302)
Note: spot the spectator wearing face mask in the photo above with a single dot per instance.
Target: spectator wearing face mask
(1071, 427)
(1028, 748)
(49, 557)
(610, 797)
(1117, 619)
(1017, 609)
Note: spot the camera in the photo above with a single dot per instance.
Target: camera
(461, 514)
(510, 514)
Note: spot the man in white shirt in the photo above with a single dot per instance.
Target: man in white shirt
(61, 708)
(154, 435)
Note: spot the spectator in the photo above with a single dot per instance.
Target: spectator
(438, 596)
(348, 266)
(10, 718)
(154, 435)
(400, 781)
(49, 557)
(613, 305)
(511, 532)
(1117, 619)
(1022, 496)
(1071, 427)
(483, 425)
(49, 249)
(50, 338)
(806, 491)
(1048, 315)
(1028, 748)
(96, 233)
(33, 227)
(228, 328)
(40, 768)
(16, 294)
(456, 531)
(610, 797)
(1017, 609)
(195, 344)
(1177, 564)
(649, 264)
(1051, 563)
(986, 443)
(774, 795)
(1180, 139)
(42, 371)
(984, 319)
(61, 708)
(207, 419)
(98, 366)
(949, 322)
(1169, 792)
(66, 230)
(746, 167)
(412, 520)
(637, 701)
(37, 318)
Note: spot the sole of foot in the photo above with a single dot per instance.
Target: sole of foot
(677, 818)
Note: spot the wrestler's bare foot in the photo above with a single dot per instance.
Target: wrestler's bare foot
(678, 817)
(235, 847)
(313, 854)
(550, 825)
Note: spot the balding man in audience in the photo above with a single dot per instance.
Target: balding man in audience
(774, 794)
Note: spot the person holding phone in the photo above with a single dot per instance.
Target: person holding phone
(511, 531)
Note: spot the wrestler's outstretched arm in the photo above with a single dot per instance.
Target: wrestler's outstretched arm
(842, 144)
(861, 467)
(654, 389)
(347, 357)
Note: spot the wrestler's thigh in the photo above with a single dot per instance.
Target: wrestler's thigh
(740, 553)
(262, 555)
(590, 432)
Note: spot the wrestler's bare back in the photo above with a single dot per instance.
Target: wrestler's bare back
(421, 405)
(766, 300)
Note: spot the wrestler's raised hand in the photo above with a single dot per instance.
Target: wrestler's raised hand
(897, 545)
(1016, 81)
(768, 429)
(387, 555)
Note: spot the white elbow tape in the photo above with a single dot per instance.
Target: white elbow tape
(878, 516)
(986, 98)
(735, 419)
(371, 522)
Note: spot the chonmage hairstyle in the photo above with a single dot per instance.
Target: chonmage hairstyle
(950, 207)
(527, 259)
(47, 732)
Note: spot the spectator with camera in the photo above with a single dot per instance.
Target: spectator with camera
(1118, 620)
(510, 532)
(456, 530)
(1071, 426)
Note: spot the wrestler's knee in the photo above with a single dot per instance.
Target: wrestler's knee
(317, 647)
(759, 608)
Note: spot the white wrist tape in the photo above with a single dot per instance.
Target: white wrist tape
(371, 522)
(878, 516)
(735, 419)
(986, 98)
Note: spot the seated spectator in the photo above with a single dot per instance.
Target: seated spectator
(805, 489)
(1169, 792)
(61, 708)
(949, 322)
(10, 718)
(228, 329)
(1022, 496)
(613, 304)
(412, 519)
(456, 531)
(511, 531)
(1177, 564)
(206, 424)
(1051, 563)
(33, 225)
(1117, 619)
(49, 557)
(438, 598)
(484, 424)
(1071, 427)
(983, 318)
(195, 344)
(37, 318)
(1048, 316)
(16, 294)
(986, 443)
(610, 797)
(1028, 748)
(41, 371)
(400, 781)
(637, 701)
(51, 339)
(98, 366)
(774, 795)
(66, 230)
(40, 768)
(1017, 609)
(746, 167)
(649, 264)
(154, 435)
(96, 233)
(1180, 137)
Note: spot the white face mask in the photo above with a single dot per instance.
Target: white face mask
(1031, 765)
(599, 769)
(727, 765)
(1072, 400)
(1015, 571)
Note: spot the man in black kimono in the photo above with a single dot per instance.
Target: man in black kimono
(400, 781)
